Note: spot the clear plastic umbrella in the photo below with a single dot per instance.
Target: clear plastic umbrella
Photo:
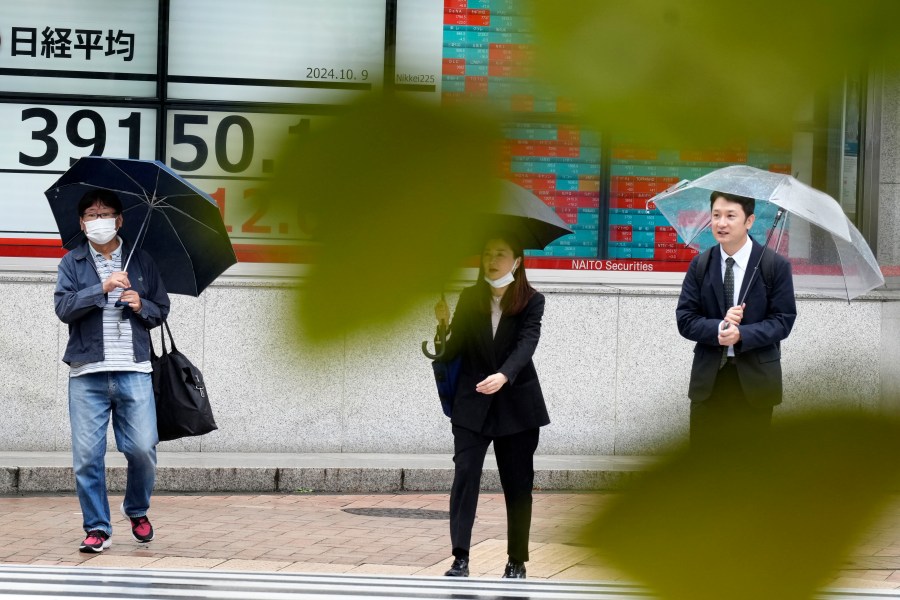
(828, 254)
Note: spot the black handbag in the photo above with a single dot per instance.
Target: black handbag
(182, 402)
(446, 373)
(446, 376)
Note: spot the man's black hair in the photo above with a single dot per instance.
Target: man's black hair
(748, 204)
(107, 198)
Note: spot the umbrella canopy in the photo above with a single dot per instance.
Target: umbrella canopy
(521, 212)
(828, 254)
(176, 223)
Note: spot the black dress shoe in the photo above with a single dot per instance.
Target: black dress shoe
(459, 568)
(514, 570)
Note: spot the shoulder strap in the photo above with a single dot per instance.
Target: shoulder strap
(165, 325)
(767, 267)
(702, 265)
(162, 338)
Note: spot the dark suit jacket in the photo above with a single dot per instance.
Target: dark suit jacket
(519, 405)
(768, 318)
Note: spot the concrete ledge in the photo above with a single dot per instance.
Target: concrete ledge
(46, 479)
(204, 472)
(429, 480)
(9, 480)
(216, 479)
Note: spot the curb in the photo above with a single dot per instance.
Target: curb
(32, 480)
(27, 473)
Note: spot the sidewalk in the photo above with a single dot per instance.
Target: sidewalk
(378, 534)
(330, 513)
(341, 513)
(385, 534)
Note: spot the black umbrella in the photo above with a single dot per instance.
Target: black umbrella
(520, 212)
(176, 223)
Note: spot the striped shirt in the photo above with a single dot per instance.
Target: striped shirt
(118, 351)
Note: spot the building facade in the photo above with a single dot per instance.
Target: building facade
(613, 367)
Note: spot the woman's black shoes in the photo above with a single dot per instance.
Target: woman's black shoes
(460, 568)
(514, 570)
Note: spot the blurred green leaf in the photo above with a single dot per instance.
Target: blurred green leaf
(706, 70)
(767, 520)
(392, 189)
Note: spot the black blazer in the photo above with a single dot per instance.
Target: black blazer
(519, 405)
(768, 318)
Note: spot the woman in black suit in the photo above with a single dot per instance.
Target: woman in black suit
(496, 327)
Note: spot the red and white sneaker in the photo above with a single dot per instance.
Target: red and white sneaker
(141, 529)
(96, 541)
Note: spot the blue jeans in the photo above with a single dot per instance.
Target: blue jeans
(128, 396)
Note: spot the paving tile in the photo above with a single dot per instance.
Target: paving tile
(549, 559)
(488, 558)
(311, 567)
(184, 562)
(589, 573)
(437, 569)
(874, 562)
(119, 562)
(858, 583)
(372, 569)
(875, 574)
(250, 565)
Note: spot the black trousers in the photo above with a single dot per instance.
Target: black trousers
(515, 463)
(726, 418)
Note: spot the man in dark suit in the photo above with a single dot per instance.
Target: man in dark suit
(736, 373)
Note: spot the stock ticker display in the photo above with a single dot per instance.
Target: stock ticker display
(305, 56)
(487, 52)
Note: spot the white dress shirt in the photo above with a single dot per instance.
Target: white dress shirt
(741, 260)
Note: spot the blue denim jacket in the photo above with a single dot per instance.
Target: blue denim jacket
(79, 301)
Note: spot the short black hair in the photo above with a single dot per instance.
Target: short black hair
(747, 203)
(107, 198)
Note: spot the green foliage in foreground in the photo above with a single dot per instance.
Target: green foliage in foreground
(769, 520)
(701, 71)
(392, 190)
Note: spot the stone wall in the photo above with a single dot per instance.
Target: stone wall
(613, 368)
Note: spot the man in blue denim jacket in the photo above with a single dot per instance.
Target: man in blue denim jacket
(110, 313)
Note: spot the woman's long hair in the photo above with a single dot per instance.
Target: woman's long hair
(519, 292)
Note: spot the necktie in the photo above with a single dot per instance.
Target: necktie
(729, 298)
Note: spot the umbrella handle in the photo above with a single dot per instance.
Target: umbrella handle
(119, 303)
(440, 343)
(438, 354)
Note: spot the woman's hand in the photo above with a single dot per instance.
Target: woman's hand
(442, 311)
(491, 384)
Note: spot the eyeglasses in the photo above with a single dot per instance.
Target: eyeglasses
(104, 215)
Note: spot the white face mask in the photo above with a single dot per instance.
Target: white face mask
(505, 280)
(100, 231)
